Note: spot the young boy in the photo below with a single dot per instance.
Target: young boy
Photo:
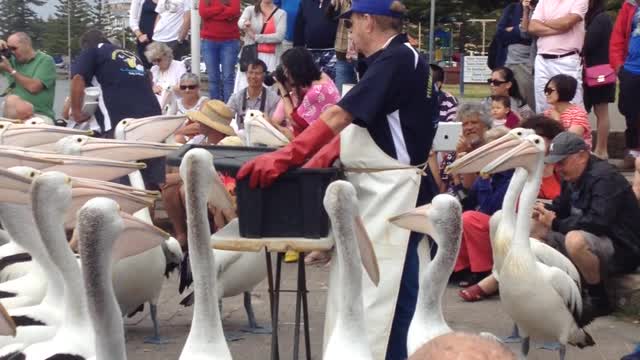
(501, 112)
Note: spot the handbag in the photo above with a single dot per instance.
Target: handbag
(249, 53)
(599, 75)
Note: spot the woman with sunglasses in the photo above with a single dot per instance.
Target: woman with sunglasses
(503, 83)
(189, 100)
(559, 91)
(165, 72)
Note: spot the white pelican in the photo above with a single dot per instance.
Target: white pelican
(206, 338)
(35, 135)
(152, 128)
(348, 338)
(105, 236)
(544, 301)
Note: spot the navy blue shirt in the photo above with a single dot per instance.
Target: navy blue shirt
(314, 27)
(126, 89)
(396, 101)
(486, 195)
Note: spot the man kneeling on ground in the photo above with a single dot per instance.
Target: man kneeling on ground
(596, 219)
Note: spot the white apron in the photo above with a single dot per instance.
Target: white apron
(391, 188)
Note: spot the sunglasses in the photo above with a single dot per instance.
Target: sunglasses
(496, 82)
(549, 91)
(348, 23)
(190, 87)
(12, 48)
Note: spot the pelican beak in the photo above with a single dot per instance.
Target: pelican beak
(523, 155)
(136, 237)
(474, 161)
(93, 168)
(35, 135)
(219, 197)
(153, 128)
(367, 253)
(14, 188)
(8, 326)
(129, 199)
(126, 150)
(11, 158)
(414, 220)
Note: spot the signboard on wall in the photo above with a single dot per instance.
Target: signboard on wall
(476, 69)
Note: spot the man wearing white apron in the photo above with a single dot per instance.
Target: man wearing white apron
(387, 120)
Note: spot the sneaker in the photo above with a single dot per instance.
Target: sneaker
(291, 256)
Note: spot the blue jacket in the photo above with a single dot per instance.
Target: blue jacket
(511, 16)
(486, 195)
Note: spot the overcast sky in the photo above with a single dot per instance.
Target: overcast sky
(49, 8)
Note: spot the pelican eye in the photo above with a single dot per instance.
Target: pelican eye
(32, 174)
(537, 141)
(79, 140)
(1, 126)
(67, 180)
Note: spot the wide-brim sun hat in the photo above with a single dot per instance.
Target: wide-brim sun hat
(216, 115)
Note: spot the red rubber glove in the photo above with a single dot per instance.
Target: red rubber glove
(265, 169)
(326, 156)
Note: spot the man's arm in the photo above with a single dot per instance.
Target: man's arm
(539, 28)
(186, 25)
(77, 99)
(32, 85)
(564, 23)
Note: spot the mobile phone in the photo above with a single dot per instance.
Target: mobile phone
(447, 136)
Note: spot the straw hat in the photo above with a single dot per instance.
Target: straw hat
(231, 141)
(214, 114)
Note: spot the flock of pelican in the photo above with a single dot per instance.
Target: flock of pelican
(57, 304)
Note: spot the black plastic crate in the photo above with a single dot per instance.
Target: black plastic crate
(291, 207)
(227, 159)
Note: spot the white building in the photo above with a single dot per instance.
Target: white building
(119, 10)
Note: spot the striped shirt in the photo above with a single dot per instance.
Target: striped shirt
(448, 105)
(575, 115)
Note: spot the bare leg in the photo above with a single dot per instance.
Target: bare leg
(585, 260)
(602, 115)
(636, 179)
(174, 206)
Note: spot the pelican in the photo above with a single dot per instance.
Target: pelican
(543, 300)
(103, 242)
(236, 272)
(153, 128)
(150, 267)
(504, 221)
(34, 135)
(206, 338)
(348, 338)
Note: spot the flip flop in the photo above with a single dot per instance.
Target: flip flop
(473, 293)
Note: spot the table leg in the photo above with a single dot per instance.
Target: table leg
(305, 306)
(276, 308)
(296, 329)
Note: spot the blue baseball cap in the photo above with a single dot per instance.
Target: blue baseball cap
(373, 7)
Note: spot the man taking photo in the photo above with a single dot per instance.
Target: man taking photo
(32, 74)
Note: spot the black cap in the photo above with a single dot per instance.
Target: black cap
(564, 144)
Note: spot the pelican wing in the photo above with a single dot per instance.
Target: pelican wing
(552, 257)
(226, 258)
(564, 286)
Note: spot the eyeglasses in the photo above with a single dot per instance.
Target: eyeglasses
(348, 23)
(190, 87)
(496, 82)
(549, 91)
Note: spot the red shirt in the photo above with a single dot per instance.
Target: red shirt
(220, 21)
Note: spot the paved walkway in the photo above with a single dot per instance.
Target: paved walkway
(614, 336)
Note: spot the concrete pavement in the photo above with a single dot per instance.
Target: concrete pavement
(614, 336)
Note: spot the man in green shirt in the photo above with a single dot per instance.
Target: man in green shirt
(32, 73)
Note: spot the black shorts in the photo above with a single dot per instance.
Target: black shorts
(628, 103)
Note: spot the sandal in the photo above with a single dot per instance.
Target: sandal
(473, 293)
(473, 278)
(317, 257)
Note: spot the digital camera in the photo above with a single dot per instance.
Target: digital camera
(277, 74)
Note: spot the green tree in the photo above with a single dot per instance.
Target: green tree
(72, 13)
(18, 15)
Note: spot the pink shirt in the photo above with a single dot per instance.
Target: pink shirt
(317, 99)
(571, 40)
(575, 115)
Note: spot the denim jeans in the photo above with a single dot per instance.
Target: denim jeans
(223, 54)
(345, 74)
